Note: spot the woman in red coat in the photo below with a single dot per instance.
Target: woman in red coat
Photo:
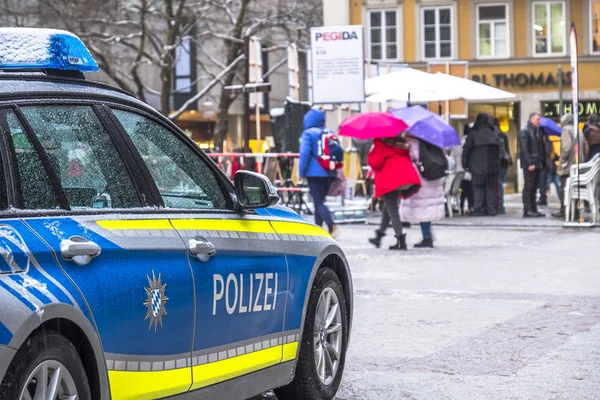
(395, 177)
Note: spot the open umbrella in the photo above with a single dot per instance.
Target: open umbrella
(430, 127)
(372, 125)
(550, 127)
(470, 90)
(406, 84)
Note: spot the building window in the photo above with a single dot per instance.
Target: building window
(492, 31)
(595, 26)
(549, 28)
(437, 32)
(383, 34)
(183, 66)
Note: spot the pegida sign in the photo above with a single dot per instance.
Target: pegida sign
(523, 80)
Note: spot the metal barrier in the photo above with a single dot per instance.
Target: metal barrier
(291, 192)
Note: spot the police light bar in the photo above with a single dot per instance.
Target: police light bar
(43, 49)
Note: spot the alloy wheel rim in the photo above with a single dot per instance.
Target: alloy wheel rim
(50, 380)
(328, 336)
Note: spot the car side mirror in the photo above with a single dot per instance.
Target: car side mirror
(254, 191)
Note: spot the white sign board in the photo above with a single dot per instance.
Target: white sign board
(338, 64)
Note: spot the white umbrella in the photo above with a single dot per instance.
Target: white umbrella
(470, 90)
(407, 84)
(415, 97)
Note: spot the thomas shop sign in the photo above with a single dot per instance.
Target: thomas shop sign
(551, 109)
(523, 80)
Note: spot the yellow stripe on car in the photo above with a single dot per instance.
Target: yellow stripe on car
(289, 351)
(231, 225)
(222, 225)
(126, 385)
(134, 224)
(219, 371)
(295, 228)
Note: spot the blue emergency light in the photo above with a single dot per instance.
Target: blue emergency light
(43, 49)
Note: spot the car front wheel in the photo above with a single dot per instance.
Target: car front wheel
(323, 348)
(46, 367)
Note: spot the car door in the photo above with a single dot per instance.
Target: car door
(130, 267)
(30, 279)
(237, 259)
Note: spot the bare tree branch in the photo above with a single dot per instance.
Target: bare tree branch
(207, 88)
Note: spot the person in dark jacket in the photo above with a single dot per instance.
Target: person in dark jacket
(505, 163)
(533, 160)
(319, 180)
(481, 157)
(546, 171)
(592, 134)
(466, 186)
(567, 157)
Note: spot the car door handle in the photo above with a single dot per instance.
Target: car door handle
(79, 250)
(202, 249)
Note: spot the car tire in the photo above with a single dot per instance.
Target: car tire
(308, 383)
(43, 355)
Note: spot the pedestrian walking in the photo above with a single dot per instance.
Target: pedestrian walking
(481, 157)
(428, 204)
(592, 134)
(466, 186)
(395, 178)
(318, 178)
(546, 171)
(553, 178)
(533, 159)
(505, 163)
(567, 157)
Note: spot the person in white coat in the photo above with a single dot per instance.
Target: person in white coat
(427, 204)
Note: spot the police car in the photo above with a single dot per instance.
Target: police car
(132, 268)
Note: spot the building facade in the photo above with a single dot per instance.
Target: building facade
(515, 45)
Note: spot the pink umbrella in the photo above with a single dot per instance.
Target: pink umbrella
(372, 125)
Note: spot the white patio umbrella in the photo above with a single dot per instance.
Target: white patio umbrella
(407, 84)
(415, 97)
(470, 90)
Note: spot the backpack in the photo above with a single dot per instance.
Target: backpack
(433, 164)
(330, 152)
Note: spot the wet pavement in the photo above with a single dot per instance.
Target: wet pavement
(495, 311)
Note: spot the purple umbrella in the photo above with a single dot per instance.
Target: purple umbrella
(427, 126)
(550, 127)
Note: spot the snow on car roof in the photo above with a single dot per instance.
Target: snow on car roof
(35, 48)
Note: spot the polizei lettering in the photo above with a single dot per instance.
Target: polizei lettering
(333, 36)
(244, 293)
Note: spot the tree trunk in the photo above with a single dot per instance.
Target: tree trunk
(222, 126)
(225, 102)
(165, 90)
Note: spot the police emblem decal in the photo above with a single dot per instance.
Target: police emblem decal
(156, 300)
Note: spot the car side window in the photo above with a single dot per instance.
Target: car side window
(37, 192)
(83, 155)
(183, 179)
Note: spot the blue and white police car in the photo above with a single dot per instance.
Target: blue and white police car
(132, 268)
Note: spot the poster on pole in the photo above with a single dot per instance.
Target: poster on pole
(338, 67)
(575, 89)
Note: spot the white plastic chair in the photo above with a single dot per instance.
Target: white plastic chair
(452, 186)
(583, 186)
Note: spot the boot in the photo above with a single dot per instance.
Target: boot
(400, 244)
(425, 243)
(376, 241)
(560, 214)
